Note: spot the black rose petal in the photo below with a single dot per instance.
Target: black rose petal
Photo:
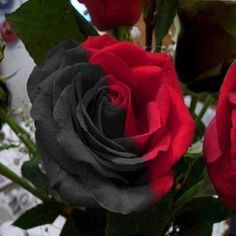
(51, 64)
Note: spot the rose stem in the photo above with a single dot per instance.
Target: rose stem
(207, 103)
(188, 172)
(21, 182)
(193, 104)
(121, 33)
(19, 131)
(149, 21)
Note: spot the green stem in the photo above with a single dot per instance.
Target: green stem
(21, 182)
(121, 33)
(19, 131)
(207, 103)
(193, 104)
(159, 7)
(188, 173)
(177, 207)
(149, 21)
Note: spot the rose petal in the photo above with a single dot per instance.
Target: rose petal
(211, 148)
(70, 188)
(129, 53)
(68, 139)
(99, 42)
(51, 64)
(117, 199)
(162, 185)
(224, 107)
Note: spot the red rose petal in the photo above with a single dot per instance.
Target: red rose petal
(99, 42)
(166, 63)
(180, 124)
(145, 83)
(162, 185)
(130, 53)
(233, 134)
(222, 173)
(211, 143)
(130, 124)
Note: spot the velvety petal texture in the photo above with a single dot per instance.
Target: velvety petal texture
(220, 142)
(109, 14)
(110, 123)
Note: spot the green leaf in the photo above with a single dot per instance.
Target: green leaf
(7, 77)
(207, 188)
(85, 27)
(189, 171)
(164, 19)
(3, 95)
(8, 146)
(32, 172)
(2, 49)
(147, 223)
(189, 194)
(70, 228)
(194, 174)
(227, 21)
(204, 209)
(198, 216)
(42, 214)
(4, 99)
(200, 229)
(42, 24)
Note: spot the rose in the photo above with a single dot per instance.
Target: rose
(109, 14)
(220, 142)
(110, 123)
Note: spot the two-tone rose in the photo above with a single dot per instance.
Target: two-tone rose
(111, 123)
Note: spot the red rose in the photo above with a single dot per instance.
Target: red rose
(111, 123)
(220, 142)
(109, 14)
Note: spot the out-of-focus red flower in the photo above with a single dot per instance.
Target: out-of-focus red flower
(220, 142)
(108, 14)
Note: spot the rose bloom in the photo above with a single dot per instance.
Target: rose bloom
(109, 14)
(110, 123)
(220, 142)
